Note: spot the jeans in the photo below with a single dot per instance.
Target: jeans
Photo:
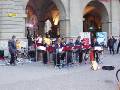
(111, 49)
(12, 60)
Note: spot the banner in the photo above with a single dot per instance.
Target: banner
(102, 38)
(85, 37)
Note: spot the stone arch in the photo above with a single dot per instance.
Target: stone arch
(59, 4)
(97, 8)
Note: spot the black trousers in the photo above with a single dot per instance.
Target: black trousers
(118, 48)
(80, 56)
(54, 58)
(12, 60)
(45, 58)
(111, 49)
(77, 53)
(69, 57)
(58, 59)
(96, 56)
(63, 56)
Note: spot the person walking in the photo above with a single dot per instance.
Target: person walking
(12, 49)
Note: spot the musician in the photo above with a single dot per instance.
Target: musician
(58, 45)
(54, 52)
(77, 42)
(48, 42)
(50, 50)
(79, 51)
(63, 43)
(45, 57)
(95, 43)
(69, 52)
(38, 41)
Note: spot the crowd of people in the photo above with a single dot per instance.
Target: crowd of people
(113, 45)
(61, 51)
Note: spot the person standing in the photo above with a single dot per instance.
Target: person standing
(29, 38)
(96, 44)
(114, 42)
(48, 25)
(118, 45)
(44, 53)
(12, 49)
(115, 45)
(79, 51)
(58, 46)
(110, 44)
(39, 40)
(69, 52)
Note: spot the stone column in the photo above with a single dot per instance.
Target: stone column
(65, 28)
(119, 16)
(115, 18)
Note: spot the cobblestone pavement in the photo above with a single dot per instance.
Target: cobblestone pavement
(36, 76)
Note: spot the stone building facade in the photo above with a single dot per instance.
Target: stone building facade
(74, 16)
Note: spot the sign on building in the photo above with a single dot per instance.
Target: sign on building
(85, 37)
(102, 38)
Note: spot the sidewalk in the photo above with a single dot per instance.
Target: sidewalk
(36, 76)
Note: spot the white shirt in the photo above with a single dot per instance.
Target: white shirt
(39, 40)
(48, 26)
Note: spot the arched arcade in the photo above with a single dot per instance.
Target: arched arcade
(44, 10)
(96, 18)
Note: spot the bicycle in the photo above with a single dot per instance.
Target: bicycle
(118, 78)
(21, 55)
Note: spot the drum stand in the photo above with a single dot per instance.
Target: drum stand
(36, 54)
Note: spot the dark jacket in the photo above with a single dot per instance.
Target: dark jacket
(77, 42)
(70, 44)
(111, 42)
(12, 46)
(94, 44)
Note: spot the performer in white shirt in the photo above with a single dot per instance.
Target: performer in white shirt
(48, 25)
(39, 39)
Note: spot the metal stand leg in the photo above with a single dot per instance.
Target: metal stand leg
(36, 54)
(66, 58)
